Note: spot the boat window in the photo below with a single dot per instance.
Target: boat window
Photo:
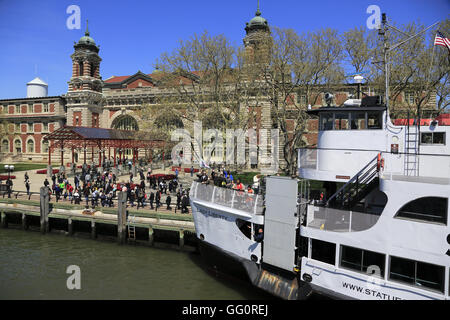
(374, 120)
(323, 251)
(360, 260)
(432, 138)
(417, 273)
(245, 227)
(428, 209)
(358, 120)
(341, 121)
(326, 121)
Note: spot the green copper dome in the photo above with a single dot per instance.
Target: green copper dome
(258, 20)
(257, 23)
(87, 41)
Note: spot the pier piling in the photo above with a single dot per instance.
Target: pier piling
(24, 222)
(45, 209)
(70, 226)
(93, 231)
(4, 220)
(122, 217)
(150, 236)
(181, 241)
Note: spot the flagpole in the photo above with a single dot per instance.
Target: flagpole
(431, 64)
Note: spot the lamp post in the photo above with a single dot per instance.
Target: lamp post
(9, 168)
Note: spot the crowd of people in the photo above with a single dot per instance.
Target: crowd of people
(224, 179)
(97, 188)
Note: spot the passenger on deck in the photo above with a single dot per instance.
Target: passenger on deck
(259, 236)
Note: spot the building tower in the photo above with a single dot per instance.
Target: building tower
(84, 97)
(258, 43)
(258, 40)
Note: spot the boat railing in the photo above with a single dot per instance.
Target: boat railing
(330, 219)
(234, 199)
(345, 163)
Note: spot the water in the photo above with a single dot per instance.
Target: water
(33, 266)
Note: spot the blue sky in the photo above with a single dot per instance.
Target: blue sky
(132, 34)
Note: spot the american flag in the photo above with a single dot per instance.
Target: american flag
(441, 40)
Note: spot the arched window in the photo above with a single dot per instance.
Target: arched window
(125, 122)
(81, 69)
(428, 209)
(168, 121)
(18, 146)
(30, 146)
(5, 146)
(44, 146)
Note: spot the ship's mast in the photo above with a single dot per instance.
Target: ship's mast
(386, 49)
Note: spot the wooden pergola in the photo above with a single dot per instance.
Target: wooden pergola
(102, 139)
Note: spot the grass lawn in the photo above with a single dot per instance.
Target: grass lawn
(245, 177)
(23, 166)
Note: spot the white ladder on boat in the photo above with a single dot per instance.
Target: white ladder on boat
(411, 165)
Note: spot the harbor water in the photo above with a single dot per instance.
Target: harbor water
(34, 266)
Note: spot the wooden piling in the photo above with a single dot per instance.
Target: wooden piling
(181, 240)
(70, 226)
(24, 222)
(45, 209)
(150, 236)
(93, 231)
(4, 220)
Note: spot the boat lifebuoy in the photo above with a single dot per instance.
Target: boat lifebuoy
(379, 161)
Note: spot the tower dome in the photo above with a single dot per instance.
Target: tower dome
(257, 22)
(37, 88)
(87, 41)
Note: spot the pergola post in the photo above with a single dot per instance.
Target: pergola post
(62, 155)
(114, 157)
(49, 167)
(84, 154)
(73, 156)
(92, 155)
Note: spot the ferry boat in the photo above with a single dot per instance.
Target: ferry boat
(379, 231)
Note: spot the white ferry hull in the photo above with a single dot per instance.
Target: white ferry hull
(217, 227)
(345, 284)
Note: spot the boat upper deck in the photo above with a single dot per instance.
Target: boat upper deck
(227, 199)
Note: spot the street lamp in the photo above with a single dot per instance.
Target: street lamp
(9, 169)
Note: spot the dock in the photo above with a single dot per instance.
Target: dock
(126, 223)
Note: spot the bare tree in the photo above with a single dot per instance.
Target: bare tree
(307, 63)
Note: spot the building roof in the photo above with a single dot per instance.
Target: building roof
(83, 137)
(90, 133)
(39, 81)
(33, 98)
